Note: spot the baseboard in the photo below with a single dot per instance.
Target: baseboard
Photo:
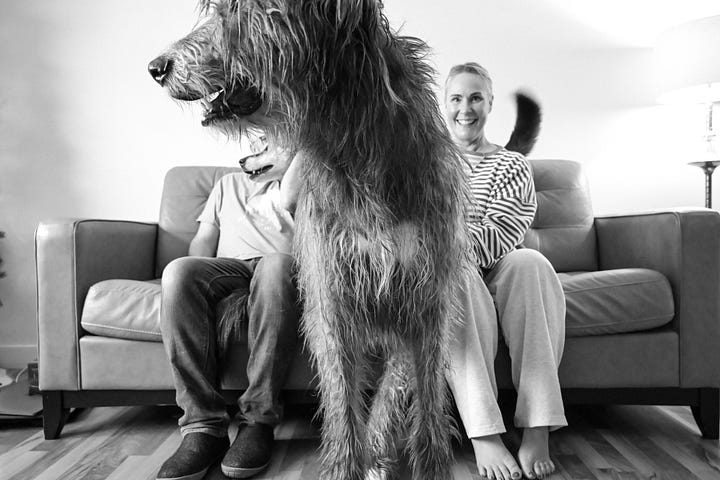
(17, 356)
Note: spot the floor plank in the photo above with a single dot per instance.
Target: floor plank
(601, 443)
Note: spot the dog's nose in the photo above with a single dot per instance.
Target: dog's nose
(159, 68)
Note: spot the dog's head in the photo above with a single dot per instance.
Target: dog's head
(269, 63)
(199, 67)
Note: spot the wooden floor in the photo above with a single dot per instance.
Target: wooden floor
(122, 443)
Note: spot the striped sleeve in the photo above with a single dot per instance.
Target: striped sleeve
(507, 197)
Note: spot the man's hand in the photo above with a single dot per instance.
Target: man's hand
(291, 182)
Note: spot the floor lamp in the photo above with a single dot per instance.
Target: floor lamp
(690, 73)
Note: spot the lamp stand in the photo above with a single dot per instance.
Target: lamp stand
(707, 167)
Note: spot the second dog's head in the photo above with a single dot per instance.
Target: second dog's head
(266, 162)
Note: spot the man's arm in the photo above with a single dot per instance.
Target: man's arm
(290, 183)
(205, 241)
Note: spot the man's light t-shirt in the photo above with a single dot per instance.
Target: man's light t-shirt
(251, 222)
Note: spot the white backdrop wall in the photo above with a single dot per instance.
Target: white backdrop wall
(85, 132)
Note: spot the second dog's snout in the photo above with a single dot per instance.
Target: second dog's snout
(159, 68)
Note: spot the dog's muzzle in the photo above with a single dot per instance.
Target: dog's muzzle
(223, 103)
(159, 69)
(241, 101)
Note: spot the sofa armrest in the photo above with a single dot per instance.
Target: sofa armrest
(684, 245)
(70, 256)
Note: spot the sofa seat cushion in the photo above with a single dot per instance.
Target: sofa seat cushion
(598, 303)
(616, 301)
(128, 309)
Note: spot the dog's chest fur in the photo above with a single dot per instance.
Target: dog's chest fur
(377, 243)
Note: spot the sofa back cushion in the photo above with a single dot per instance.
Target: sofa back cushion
(185, 193)
(563, 229)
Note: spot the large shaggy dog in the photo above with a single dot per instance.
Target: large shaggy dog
(381, 243)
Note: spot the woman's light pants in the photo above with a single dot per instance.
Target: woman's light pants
(531, 313)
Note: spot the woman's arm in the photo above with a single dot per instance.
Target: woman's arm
(510, 211)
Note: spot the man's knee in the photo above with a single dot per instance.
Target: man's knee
(273, 280)
(180, 274)
(274, 270)
(279, 264)
(273, 292)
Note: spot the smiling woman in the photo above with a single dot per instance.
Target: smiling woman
(501, 209)
(469, 101)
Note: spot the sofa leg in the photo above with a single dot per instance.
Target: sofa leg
(707, 412)
(54, 414)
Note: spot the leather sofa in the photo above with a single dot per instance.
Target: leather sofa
(643, 319)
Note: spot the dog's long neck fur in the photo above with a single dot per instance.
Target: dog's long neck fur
(383, 188)
(364, 80)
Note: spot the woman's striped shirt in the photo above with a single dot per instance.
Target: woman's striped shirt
(503, 203)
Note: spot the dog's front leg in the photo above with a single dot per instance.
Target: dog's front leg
(388, 413)
(340, 367)
(431, 425)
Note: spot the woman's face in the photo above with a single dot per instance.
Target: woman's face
(468, 102)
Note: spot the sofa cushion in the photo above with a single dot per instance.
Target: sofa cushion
(130, 309)
(563, 229)
(127, 309)
(598, 303)
(616, 301)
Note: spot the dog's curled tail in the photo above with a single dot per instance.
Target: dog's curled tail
(527, 124)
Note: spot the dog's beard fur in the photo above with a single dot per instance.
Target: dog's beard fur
(381, 243)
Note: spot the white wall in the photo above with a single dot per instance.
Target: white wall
(85, 132)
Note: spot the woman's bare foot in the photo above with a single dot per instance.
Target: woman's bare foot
(493, 459)
(534, 454)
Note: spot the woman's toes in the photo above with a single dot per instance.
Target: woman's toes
(543, 469)
(533, 452)
(505, 471)
(497, 469)
(493, 457)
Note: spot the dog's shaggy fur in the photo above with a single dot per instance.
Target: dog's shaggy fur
(381, 243)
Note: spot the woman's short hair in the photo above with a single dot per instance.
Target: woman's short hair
(470, 67)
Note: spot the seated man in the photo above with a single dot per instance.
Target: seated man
(244, 241)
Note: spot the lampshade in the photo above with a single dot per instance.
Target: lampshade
(689, 62)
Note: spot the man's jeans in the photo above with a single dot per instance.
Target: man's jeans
(191, 289)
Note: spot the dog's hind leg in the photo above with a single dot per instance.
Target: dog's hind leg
(429, 439)
(341, 372)
(387, 416)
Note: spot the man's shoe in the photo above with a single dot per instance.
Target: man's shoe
(195, 455)
(250, 452)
